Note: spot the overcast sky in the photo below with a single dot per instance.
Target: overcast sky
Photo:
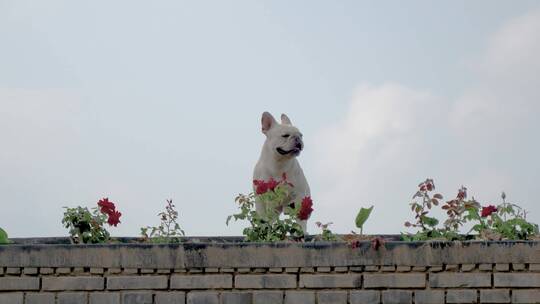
(141, 101)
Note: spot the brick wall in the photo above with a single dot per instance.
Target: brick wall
(472, 272)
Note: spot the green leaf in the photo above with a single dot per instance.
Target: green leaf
(3, 237)
(362, 216)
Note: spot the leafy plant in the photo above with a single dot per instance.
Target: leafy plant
(268, 225)
(326, 234)
(4, 237)
(362, 217)
(505, 221)
(87, 226)
(169, 230)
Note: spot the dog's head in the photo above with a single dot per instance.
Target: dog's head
(283, 138)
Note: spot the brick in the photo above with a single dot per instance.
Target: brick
(30, 271)
(130, 271)
(265, 281)
(428, 296)
(495, 296)
(332, 297)
(365, 296)
(198, 281)
(435, 268)
(46, 270)
(13, 270)
(275, 270)
(502, 267)
(330, 280)
(398, 280)
(403, 268)
(1, 270)
(259, 270)
(532, 267)
(211, 270)
(72, 298)
(202, 297)
(114, 270)
(267, 297)
(134, 282)
(96, 270)
(390, 268)
(63, 270)
(442, 280)
(164, 271)
(104, 298)
(341, 269)
(19, 283)
(177, 297)
(468, 267)
(526, 296)
(79, 271)
(39, 298)
(292, 270)
(371, 268)
(235, 297)
(451, 267)
(461, 296)
(137, 297)
(243, 270)
(419, 268)
(12, 298)
(307, 270)
(196, 270)
(323, 269)
(227, 270)
(180, 270)
(396, 297)
(147, 270)
(516, 279)
(485, 267)
(518, 267)
(299, 297)
(356, 268)
(73, 283)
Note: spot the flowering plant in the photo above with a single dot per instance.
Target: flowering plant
(168, 231)
(267, 225)
(88, 227)
(505, 221)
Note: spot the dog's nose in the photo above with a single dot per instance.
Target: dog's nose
(298, 145)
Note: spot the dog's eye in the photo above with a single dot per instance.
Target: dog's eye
(285, 135)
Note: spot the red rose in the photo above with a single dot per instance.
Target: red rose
(114, 218)
(306, 208)
(272, 184)
(487, 211)
(106, 206)
(260, 186)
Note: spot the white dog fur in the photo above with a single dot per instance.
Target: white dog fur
(283, 144)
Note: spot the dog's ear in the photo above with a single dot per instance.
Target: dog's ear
(267, 121)
(285, 120)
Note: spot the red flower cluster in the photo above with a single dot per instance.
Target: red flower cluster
(428, 185)
(462, 193)
(108, 208)
(487, 211)
(262, 186)
(306, 208)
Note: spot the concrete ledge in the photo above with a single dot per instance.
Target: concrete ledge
(266, 255)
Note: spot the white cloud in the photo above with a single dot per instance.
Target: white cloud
(393, 136)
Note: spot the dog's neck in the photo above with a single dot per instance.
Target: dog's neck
(277, 162)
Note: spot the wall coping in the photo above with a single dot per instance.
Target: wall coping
(215, 252)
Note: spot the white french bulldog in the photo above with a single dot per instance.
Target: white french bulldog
(283, 144)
